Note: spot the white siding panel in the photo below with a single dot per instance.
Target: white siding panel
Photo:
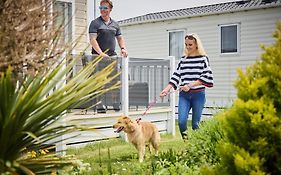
(149, 42)
(80, 1)
(80, 25)
(81, 13)
(81, 5)
(81, 22)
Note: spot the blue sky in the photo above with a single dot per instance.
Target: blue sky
(124, 9)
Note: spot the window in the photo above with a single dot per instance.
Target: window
(64, 10)
(64, 19)
(176, 43)
(229, 42)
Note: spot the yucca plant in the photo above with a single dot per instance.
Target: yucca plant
(29, 115)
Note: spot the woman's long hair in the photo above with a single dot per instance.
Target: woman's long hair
(200, 47)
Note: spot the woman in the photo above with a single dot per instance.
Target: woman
(194, 73)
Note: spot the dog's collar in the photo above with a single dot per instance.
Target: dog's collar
(138, 120)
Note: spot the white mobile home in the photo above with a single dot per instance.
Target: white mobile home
(231, 34)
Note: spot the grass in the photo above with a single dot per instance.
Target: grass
(116, 156)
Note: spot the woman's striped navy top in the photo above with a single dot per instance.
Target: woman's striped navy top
(190, 69)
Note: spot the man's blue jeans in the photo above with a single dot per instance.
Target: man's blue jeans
(187, 101)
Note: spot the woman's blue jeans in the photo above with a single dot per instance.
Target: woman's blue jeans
(187, 101)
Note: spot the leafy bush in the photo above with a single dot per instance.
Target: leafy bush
(200, 151)
(253, 124)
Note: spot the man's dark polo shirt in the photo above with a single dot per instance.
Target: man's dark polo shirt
(105, 34)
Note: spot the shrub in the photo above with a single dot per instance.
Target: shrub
(253, 124)
(200, 151)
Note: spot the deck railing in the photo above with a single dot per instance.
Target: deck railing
(146, 79)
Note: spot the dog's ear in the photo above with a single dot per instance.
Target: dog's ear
(126, 119)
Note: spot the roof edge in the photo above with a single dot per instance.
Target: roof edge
(195, 15)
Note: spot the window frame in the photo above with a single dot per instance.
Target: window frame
(72, 31)
(237, 37)
(172, 31)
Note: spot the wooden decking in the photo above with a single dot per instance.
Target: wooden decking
(101, 123)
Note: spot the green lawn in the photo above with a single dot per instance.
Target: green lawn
(116, 156)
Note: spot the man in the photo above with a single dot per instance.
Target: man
(103, 31)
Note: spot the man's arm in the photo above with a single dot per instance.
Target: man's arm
(95, 44)
(121, 43)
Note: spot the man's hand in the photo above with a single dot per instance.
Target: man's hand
(104, 55)
(124, 53)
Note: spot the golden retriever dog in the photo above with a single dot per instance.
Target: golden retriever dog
(140, 134)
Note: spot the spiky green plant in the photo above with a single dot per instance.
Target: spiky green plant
(29, 113)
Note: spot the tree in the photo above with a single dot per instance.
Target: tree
(28, 36)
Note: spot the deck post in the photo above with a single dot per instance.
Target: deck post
(172, 118)
(125, 90)
(61, 145)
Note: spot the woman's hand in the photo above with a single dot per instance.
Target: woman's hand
(165, 91)
(185, 88)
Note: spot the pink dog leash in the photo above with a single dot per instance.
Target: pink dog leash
(149, 106)
(152, 104)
